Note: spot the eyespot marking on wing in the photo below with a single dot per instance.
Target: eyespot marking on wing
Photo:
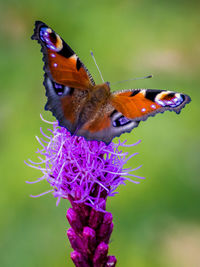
(169, 99)
(51, 39)
(61, 90)
(121, 121)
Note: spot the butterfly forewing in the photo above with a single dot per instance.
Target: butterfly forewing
(139, 104)
(61, 63)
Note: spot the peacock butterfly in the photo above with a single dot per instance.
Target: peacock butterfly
(91, 110)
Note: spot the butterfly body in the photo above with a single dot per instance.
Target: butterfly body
(91, 110)
(95, 103)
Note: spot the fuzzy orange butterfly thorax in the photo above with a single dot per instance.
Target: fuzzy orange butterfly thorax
(90, 110)
(100, 92)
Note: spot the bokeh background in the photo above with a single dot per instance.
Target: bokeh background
(157, 223)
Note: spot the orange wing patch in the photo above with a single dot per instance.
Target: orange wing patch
(98, 124)
(64, 71)
(133, 107)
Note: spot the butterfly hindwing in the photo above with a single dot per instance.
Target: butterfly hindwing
(139, 104)
(65, 103)
(108, 124)
(61, 63)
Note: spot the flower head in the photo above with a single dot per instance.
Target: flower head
(86, 171)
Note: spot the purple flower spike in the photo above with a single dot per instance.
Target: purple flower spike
(86, 173)
(91, 243)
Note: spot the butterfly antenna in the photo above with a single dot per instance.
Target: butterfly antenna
(139, 78)
(92, 54)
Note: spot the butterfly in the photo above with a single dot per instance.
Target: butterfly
(90, 110)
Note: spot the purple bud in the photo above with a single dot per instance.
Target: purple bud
(89, 239)
(74, 220)
(75, 241)
(81, 209)
(100, 255)
(106, 228)
(111, 261)
(95, 219)
(79, 260)
(108, 218)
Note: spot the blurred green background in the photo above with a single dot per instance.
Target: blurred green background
(157, 223)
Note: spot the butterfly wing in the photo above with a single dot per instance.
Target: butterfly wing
(124, 110)
(65, 103)
(66, 79)
(139, 104)
(61, 63)
(103, 126)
